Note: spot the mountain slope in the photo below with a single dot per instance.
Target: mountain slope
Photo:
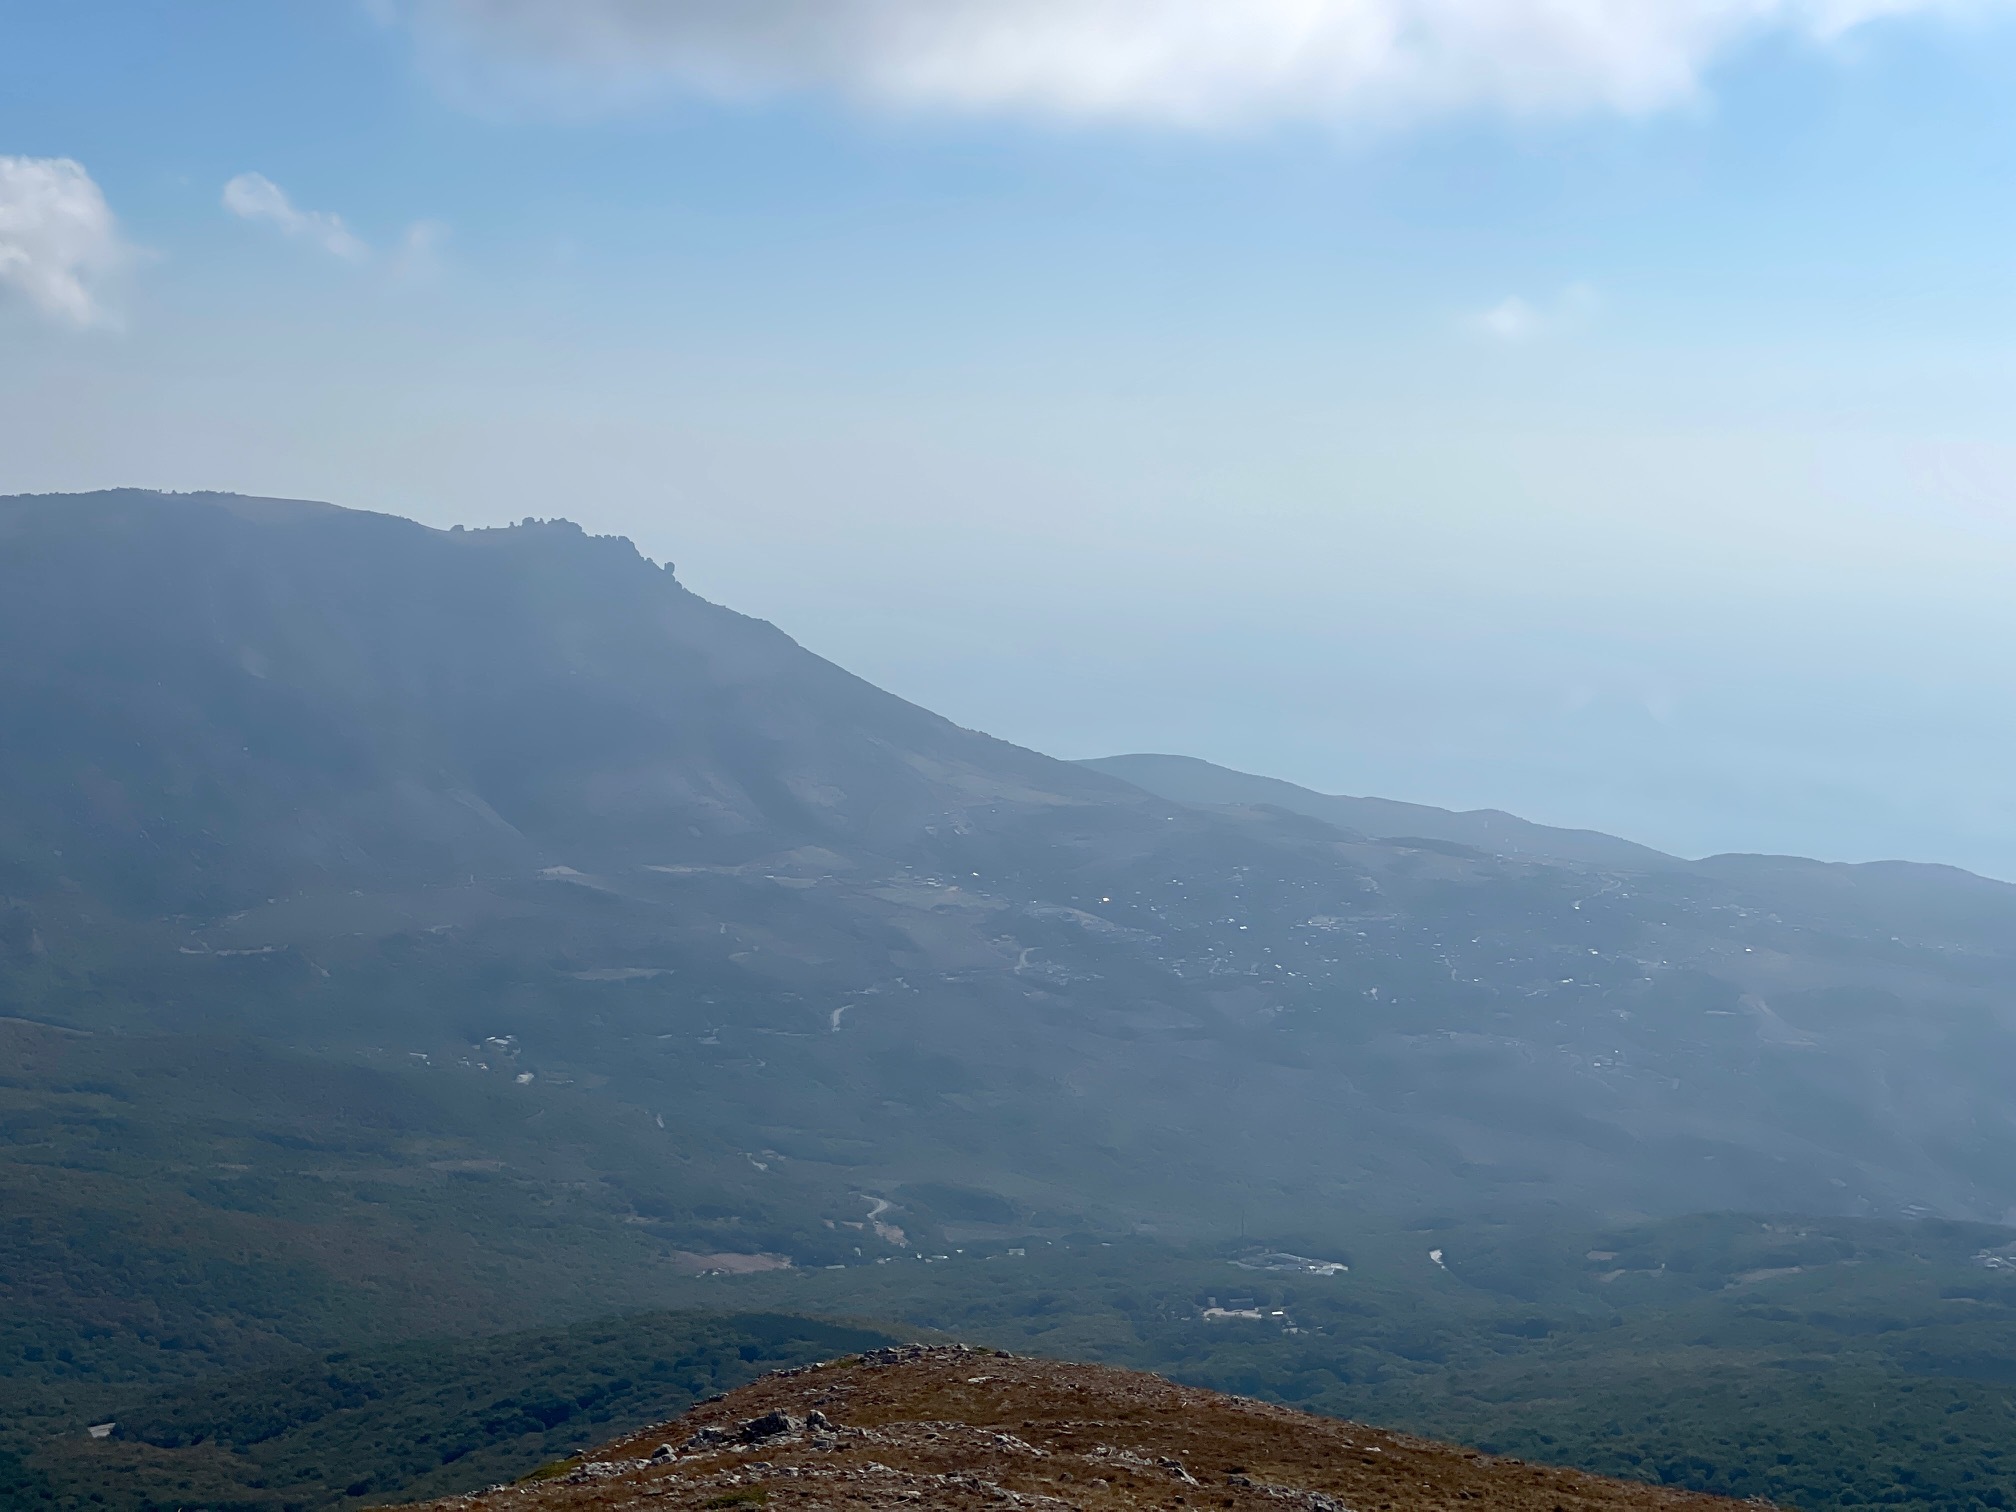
(1914, 896)
(424, 1417)
(1185, 779)
(512, 812)
(407, 930)
(954, 1427)
(218, 699)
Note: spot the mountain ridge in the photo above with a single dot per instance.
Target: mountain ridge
(422, 760)
(513, 802)
(1187, 779)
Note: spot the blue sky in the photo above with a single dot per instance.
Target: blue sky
(1597, 411)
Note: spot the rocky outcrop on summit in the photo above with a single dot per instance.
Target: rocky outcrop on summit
(954, 1427)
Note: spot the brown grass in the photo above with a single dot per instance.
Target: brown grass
(950, 1427)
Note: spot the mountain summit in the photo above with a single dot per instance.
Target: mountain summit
(216, 699)
(952, 1427)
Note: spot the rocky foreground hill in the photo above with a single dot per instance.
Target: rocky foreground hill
(955, 1427)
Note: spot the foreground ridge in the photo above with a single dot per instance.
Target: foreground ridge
(957, 1427)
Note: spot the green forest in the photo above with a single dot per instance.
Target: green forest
(1828, 1364)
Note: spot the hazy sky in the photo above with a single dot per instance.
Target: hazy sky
(1600, 409)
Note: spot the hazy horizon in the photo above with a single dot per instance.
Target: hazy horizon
(1598, 417)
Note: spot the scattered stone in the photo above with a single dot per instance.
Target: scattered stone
(1085, 1436)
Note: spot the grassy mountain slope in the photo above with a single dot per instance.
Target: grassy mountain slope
(956, 1427)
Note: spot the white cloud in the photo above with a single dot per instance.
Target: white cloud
(59, 242)
(1515, 320)
(255, 197)
(1190, 62)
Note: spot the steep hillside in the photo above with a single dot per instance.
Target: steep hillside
(956, 1428)
(628, 931)
(214, 700)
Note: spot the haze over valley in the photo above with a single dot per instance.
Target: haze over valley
(376, 888)
(1047, 754)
